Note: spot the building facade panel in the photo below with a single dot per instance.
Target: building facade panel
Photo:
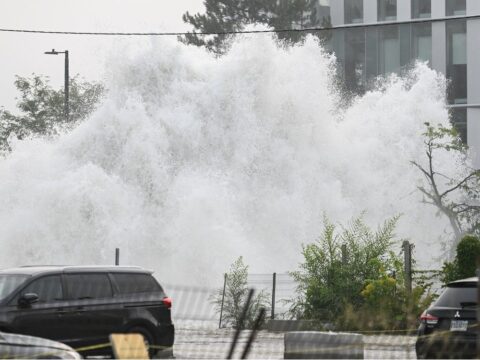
(449, 44)
(439, 47)
(337, 12)
(369, 11)
(438, 9)
(473, 86)
(404, 10)
(473, 7)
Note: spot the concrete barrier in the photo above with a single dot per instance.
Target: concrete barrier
(290, 325)
(323, 345)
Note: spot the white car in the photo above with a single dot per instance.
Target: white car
(14, 346)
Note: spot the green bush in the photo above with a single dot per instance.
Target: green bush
(359, 287)
(387, 306)
(465, 263)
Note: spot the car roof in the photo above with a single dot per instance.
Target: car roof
(467, 280)
(45, 269)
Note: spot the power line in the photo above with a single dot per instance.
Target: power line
(162, 33)
(266, 31)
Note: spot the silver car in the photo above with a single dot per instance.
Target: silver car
(14, 346)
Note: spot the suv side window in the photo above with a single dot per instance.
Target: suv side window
(48, 288)
(135, 283)
(88, 286)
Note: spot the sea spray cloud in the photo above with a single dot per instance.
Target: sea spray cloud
(193, 161)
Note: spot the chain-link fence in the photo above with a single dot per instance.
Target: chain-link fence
(200, 334)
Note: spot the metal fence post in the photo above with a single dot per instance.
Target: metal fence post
(344, 254)
(223, 300)
(407, 252)
(274, 285)
(117, 256)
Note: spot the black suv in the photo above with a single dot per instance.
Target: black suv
(448, 328)
(81, 305)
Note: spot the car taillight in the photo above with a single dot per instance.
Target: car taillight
(167, 302)
(429, 318)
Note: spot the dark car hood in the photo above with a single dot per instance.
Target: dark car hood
(23, 340)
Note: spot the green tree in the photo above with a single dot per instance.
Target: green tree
(227, 16)
(42, 107)
(236, 293)
(465, 263)
(456, 196)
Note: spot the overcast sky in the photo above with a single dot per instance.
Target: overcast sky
(23, 54)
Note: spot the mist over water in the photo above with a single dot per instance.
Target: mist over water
(193, 161)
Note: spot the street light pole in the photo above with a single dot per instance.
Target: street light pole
(67, 89)
(66, 109)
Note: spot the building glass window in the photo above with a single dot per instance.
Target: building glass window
(455, 7)
(387, 10)
(457, 61)
(458, 118)
(355, 59)
(422, 42)
(389, 50)
(421, 9)
(323, 13)
(353, 11)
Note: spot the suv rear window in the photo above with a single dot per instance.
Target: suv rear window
(458, 296)
(88, 286)
(136, 283)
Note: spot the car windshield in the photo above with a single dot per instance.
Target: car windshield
(9, 282)
(458, 297)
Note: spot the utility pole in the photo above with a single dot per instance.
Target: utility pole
(67, 77)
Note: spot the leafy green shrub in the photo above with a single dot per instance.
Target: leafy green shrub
(236, 293)
(358, 287)
(465, 263)
(387, 306)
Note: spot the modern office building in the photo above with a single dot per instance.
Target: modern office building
(377, 37)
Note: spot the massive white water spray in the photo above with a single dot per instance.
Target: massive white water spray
(193, 161)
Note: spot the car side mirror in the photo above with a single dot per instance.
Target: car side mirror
(27, 299)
